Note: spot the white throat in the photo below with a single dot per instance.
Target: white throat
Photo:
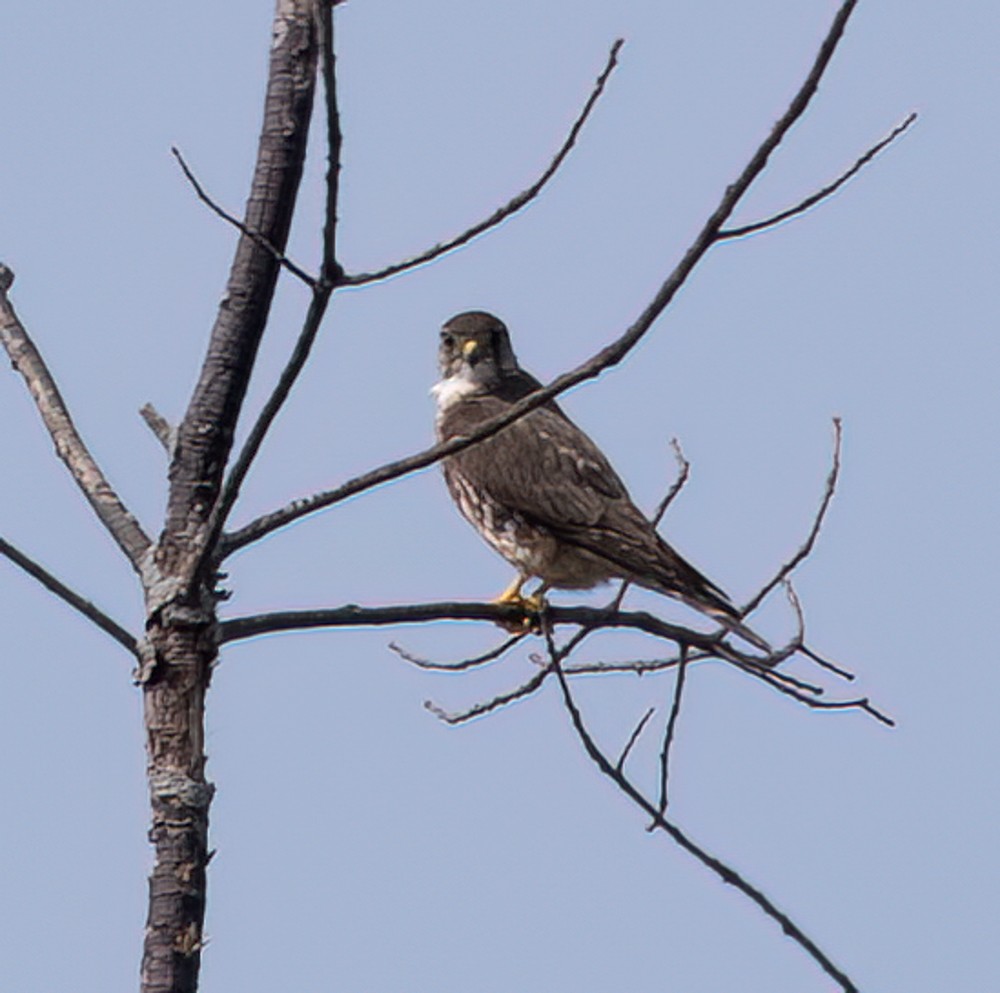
(453, 389)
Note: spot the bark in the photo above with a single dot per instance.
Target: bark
(181, 628)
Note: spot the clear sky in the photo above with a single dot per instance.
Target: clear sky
(363, 846)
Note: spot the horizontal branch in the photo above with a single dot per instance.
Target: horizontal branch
(606, 358)
(70, 447)
(77, 602)
(352, 615)
(826, 191)
(512, 206)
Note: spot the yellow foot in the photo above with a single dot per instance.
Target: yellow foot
(530, 606)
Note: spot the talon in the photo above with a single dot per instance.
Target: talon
(530, 606)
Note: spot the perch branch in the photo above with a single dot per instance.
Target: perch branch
(77, 602)
(512, 206)
(70, 447)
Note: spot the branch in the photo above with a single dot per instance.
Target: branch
(511, 207)
(605, 359)
(786, 570)
(481, 709)
(205, 435)
(70, 447)
(723, 871)
(330, 276)
(668, 733)
(588, 618)
(77, 602)
(283, 260)
(633, 738)
(825, 192)
(160, 426)
(470, 663)
(330, 270)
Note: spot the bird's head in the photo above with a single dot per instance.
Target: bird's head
(475, 347)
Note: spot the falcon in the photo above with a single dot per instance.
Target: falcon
(541, 493)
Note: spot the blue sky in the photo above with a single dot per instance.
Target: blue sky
(362, 845)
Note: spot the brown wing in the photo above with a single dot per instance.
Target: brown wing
(546, 469)
(542, 466)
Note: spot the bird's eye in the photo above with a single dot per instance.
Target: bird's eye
(447, 340)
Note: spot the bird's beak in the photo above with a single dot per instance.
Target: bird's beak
(470, 347)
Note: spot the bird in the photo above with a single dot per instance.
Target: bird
(541, 493)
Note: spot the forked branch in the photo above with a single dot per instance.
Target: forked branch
(726, 873)
(825, 192)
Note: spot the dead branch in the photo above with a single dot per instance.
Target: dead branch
(470, 663)
(205, 437)
(70, 447)
(180, 649)
(512, 206)
(587, 618)
(331, 274)
(488, 706)
(826, 191)
(671, 728)
(70, 596)
(607, 358)
(803, 552)
(254, 235)
(633, 738)
(160, 426)
(716, 865)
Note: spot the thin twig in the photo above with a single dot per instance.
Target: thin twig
(825, 663)
(716, 865)
(822, 194)
(801, 645)
(77, 602)
(606, 358)
(683, 473)
(491, 656)
(70, 447)
(786, 570)
(633, 738)
(678, 484)
(487, 707)
(669, 731)
(512, 206)
(860, 703)
(283, 260)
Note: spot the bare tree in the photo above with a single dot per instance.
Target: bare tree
(179, 569)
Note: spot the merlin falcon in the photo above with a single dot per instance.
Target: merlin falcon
(541, 493)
